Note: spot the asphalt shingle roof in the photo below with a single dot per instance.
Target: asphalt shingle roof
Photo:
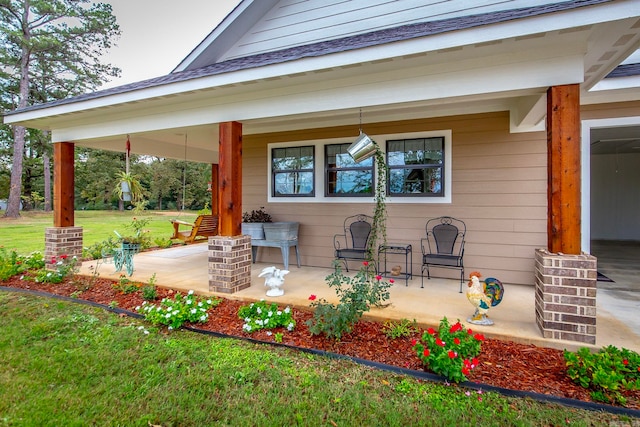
(375, 38)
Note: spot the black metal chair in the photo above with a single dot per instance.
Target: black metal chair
(444, 245)
(353, 244)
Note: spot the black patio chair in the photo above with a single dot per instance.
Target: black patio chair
(353, 244)
(444, 245)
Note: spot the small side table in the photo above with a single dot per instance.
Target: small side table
(397, 249)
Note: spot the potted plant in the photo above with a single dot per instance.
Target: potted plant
(137, 238)
(253, 223)
(129, 188)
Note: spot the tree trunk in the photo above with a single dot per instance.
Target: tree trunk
(15, 191)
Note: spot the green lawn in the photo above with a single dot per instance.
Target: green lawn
(68, 364)
(26, 234)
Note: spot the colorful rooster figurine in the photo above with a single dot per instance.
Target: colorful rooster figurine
(483, 296)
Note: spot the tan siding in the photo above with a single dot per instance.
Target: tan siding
(499, 190)
(611, 110)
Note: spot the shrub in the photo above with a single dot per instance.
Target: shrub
(99, 249)
(605, 373)
(357, 295)
(162, 242)
(175, 312)
(450, 351)
(64, 267)
(12, 264)
(126, 286)
(261, 315)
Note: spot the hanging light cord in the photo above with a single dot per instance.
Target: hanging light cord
(184, 172)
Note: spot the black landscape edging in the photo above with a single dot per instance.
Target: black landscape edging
(426, 376)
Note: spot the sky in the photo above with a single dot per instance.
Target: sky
(158, 34)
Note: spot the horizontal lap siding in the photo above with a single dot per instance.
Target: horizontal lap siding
(499, 190)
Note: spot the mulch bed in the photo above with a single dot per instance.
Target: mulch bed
(504, 364)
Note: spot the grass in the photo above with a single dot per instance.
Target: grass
(69, 364)
(26, 234)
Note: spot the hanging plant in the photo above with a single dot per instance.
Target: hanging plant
(129, 188)
(379, 226)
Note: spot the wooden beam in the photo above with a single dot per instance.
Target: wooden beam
(230, 179)
(63, 184)
(215, 209)
(563, 169)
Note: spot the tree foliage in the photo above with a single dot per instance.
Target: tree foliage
(49, 50)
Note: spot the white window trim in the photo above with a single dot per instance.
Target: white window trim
(381, 140)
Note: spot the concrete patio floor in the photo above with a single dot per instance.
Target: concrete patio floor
(185, 268)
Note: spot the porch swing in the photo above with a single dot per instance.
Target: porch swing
(203, 227)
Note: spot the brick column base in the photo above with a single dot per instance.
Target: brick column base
(63, 241)
(566, 296)
(229, 263)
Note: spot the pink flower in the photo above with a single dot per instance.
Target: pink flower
(391, 281)
(53, 260)
(312, 297)
(378, 277)
(365, 263)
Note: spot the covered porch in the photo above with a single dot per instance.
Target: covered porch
(184, 268)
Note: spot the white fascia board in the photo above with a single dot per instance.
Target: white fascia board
(516, 28)
(617, 83)
(493, 77)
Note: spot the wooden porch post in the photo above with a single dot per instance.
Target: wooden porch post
(230, 251)
(63, 238)
(63, 184)
(215, 209)
(230, 179)
(563, 169)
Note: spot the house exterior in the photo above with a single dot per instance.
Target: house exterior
(497, 103)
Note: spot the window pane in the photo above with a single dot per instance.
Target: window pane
(350, 182)
(416, 166)
(287, 183)
(292, 171)
(415, 181)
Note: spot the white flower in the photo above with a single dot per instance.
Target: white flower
(269, 333)
(287, 310)
(146, 332)
(279, 313)
(159, 308)
(209, 301)
(22, 278)
(137, 308)
(259, 310)
(140, 328)
(189, 302)
(168, 315)
(190, 292)
(200, 304)
(193, 311)
(203, 317)
(247, 319)
(290, 327)
(170, 328)
(176, 311)
(270, 313)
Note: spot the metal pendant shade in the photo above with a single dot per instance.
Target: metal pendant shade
(362, 148)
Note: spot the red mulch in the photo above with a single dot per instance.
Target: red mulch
(503, 364)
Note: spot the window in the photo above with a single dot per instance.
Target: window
(292, 170)
(345, 177)
(416, 167)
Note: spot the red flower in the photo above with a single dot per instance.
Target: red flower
(414, 342)
(312, 297)
(469, 331)
(426, 352)
(474, 362)
(431, 331)
(391, 281)
(456, 341)
(365, 263)
(625, 362)
(465, 371)
(456, 327)
(63, 256)
(378, 277)
(479, 337)
(53, 260)
(440, 342)
(452, 354)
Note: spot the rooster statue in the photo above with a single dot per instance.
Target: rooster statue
(274, 279)
(483, 296)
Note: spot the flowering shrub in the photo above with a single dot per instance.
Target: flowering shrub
(64, 266)
(179, 310)
(261, 315)
(11, 263)
(139, 234)
(605, 373)
(451, 351)
(357, 295)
